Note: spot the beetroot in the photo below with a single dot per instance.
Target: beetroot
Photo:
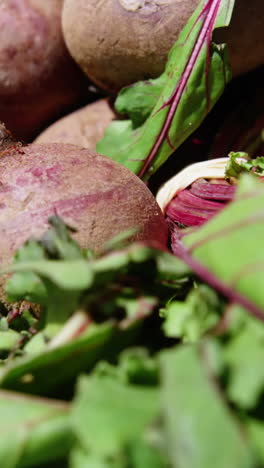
(83, 127)
(199, 202)
(119, 42)
(38, 78)
(196, 194)
(90, 192)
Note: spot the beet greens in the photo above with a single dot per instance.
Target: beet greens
(195, 77)
(132, 356)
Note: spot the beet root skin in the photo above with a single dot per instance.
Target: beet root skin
(84, 127)
(90, 192)
(119, 42)
(38, 78)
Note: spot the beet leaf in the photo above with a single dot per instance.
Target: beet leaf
(236, 165)
(34, 430)
(227, 251)
(195, 76)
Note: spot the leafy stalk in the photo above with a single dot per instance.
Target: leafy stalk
(200, 270)
(196, 74)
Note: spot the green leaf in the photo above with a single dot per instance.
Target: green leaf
(139, 454)
(33, 278)
(70, 275)
(80, 459)
(116, 260)
(42, 372)
(33, 430)
(191, 318)
(57, 241)
(144, 455)
(27, 286)
(194, 78)
(171, 268)
(138, 100)
(227, 251)
(108, 414)
(51, 368)
(8, 340)
(243, 355)
(64, 286)
(55, 284)
(36, 271)
(201, 432)
(256, 433)
(137, 367)
(236, 166)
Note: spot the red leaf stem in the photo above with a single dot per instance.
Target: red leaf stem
(207, 16)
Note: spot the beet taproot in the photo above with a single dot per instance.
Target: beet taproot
(84, 127)
(38, 77)
(90, 192)
(118, 42)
